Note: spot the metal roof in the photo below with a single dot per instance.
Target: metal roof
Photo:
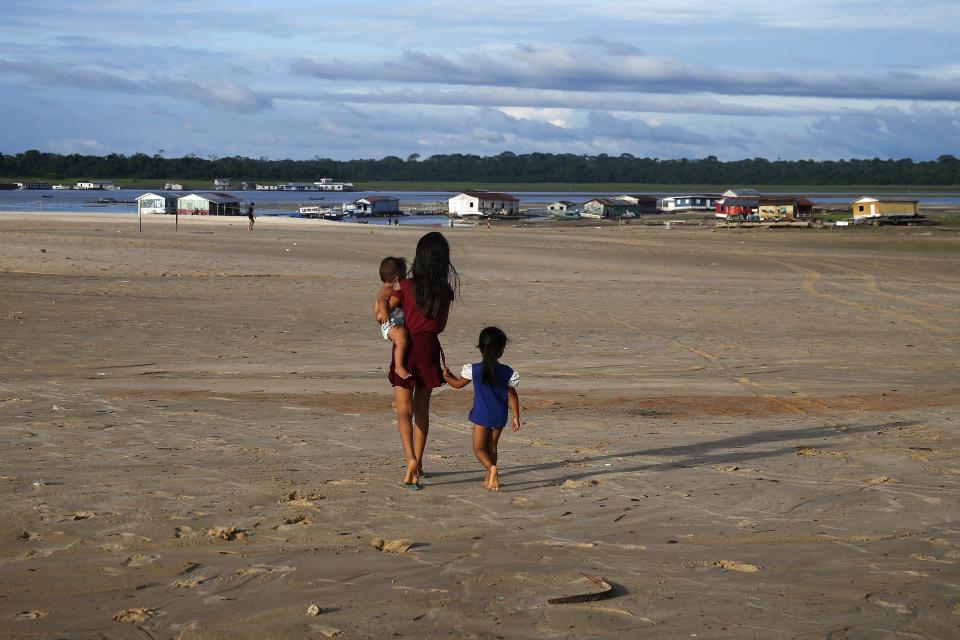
(611, 202)
(162, 194)
(215, 197)
(372, 199)
(489, 195)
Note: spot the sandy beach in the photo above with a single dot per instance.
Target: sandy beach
(747, 434)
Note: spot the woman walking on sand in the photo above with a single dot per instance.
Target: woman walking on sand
(425, 298)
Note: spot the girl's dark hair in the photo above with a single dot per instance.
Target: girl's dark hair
(435, 281)
(492, 342)
(392, 267)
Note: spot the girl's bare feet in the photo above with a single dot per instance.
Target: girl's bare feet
(493, 480)
(411, 477)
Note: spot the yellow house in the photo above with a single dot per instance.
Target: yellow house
(868, 207)
(782, 208)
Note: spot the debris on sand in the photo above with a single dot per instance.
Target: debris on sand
(227, 533)
(134, 614)
(814, 452)
(579, 484)
(733, 565)
(606, 591)
(391, 546)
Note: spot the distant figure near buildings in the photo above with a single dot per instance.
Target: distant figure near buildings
(251, 216)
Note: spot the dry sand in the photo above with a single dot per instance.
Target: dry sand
(749, 434)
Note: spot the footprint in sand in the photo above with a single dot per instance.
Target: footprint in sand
(31, 615)
(300, 498)
(745, 523)
(28, 535)
(293, 523)
(264, 569)
(187, 583)
(140, 560)
(891, 602)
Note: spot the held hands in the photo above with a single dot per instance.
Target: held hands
(448, 375)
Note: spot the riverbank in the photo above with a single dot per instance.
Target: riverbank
(745, 433)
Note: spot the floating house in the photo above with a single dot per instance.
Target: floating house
(173, 186)
(784, 208)
(159, 202)
(221, 184)
(95, 185)
(764, 208)
(208, 204)
(640, 203)
(689, 202)
(737, 207)
(868, 207)
(563, 209)
(373, 206)
(483, 203)
(610, 208)
(328, 184)
(33, 186)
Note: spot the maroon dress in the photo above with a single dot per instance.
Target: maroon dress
(423, 351)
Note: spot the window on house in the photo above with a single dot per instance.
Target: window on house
(471, 205)
(860, 208)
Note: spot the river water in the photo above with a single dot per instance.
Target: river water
(285, 203)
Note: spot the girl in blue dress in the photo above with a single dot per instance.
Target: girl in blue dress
(494, 396)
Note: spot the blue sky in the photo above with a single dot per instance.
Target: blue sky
(819, 79)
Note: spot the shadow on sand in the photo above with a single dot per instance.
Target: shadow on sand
(697, 454)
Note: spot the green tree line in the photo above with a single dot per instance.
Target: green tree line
(503, 168)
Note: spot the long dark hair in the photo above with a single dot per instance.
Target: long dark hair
(492, 342)
(435, 281)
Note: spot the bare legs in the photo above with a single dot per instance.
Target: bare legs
(398, 335)
(413, 424)
(485, 448)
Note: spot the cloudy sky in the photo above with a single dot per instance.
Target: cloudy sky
(790, 79)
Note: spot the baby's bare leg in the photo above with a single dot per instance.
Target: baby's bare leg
(400, 338)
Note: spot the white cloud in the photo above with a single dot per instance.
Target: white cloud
(76, 145)
(547, 67)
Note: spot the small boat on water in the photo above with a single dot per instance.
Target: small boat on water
(318, 213)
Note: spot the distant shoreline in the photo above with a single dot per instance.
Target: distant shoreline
(811, 190)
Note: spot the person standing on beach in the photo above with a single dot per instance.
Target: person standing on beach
(425, 298)
(494, 396)
(251, 216)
